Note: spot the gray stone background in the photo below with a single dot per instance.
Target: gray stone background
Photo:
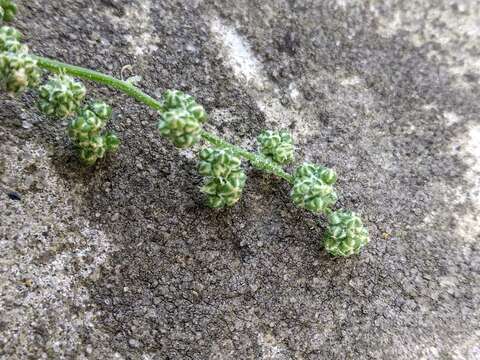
(122, 260)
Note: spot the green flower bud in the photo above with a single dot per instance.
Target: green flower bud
(313, 188)
(180, 127)
(85, 126)
(84, 131)
(18, 71)
(224, 191)
(112, 142)
(345, 234)
(225, 178)
(10, 40)
(8, 32)
(101, 109)
(61, 96)
(175, 99)
(277, 145)
(218, 162)
(92, 150)
(8, 10)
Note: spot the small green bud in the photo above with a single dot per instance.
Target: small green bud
(8, 32)
(84, 131)
(95, 149)
(175, 99)
(10, 40)
(345, 234)
(313, 188)
(8, 10)
(218, 162)
(85, 126)
(225, 178)
(277, 145)
(222, 192)
(18, 71)
(61, 96)
(112, 142)
(101, 109)
(180, 127)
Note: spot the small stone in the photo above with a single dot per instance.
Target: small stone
(14, 196)
(133, 343)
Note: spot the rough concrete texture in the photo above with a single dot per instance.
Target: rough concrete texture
(122, 261)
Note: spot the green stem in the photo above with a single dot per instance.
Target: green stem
(258, 161)
(124, 86)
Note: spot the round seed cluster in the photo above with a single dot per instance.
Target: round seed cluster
(225, 178)
(61, 96)
(277, 145)
(18, 70)
(181, 119)
(7, 10)
(313, 188)
(85, 132)
(345, 234)
(10, 40)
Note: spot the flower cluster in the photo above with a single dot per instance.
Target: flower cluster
(7, 10)
(61, 96)
(313, 188)
(84, 130)
(10, 40)
(225, 177)
(345, 234)
(277, 146)
(18, 70)
(181, 119)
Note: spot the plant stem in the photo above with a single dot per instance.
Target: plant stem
(124, 86)
(258, 161)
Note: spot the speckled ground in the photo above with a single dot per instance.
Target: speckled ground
(122, 261)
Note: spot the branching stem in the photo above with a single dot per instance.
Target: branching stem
(258, 161)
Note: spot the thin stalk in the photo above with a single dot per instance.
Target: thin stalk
(258, 161)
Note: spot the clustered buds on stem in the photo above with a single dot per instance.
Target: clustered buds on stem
(345, 234)
(18, 70)
(313, 188)
(61, 96)
(277, 146)
(7, 10)
(10, 40)
(181, 119)
(84, 130)
(225, 178)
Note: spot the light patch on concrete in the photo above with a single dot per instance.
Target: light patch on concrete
(471, 151)
(457, 30)
(467, 147)
(469, 349)
(346, 3)
(48, 250)
(238, 53)
(138, 21)
(250, 72)
(271, 348)
(451, 118)
(351, 81)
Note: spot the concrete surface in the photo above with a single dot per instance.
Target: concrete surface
(122, 261)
